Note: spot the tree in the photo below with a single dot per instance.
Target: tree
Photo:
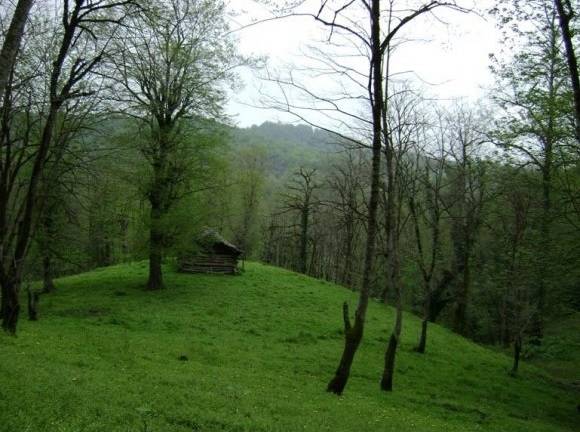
(81, 47)
(12, 42)
(361, 29)
(170, 67)
(519, 298)
(403, 125)
(566, 14)
(251, 176)
(535, 125)
(346, 186)
(426, 209)
(374, 47)
(63, 176)
(464, 203)
(300, 197)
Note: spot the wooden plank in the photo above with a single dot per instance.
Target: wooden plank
(209, 271)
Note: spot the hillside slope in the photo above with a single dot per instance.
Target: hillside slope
(248, 353)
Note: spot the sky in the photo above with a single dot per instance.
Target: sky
(449, 58)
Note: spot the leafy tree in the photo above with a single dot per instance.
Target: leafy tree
(81, 43)
(171, 64)
(535, 126)
(251, 167)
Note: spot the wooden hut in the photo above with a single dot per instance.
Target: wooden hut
(211, 253)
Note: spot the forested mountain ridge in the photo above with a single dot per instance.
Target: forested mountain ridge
(289, 146)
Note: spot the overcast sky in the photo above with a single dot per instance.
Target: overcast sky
(451, 59)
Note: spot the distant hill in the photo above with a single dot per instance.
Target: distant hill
(289, 146)
(249, 353)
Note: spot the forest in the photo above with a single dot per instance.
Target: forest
(460, 216)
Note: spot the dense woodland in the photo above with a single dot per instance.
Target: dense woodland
(114, 147)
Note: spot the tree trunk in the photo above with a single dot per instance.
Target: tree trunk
(389, 371)
(47, 281)
(156, 199)
(10, 306)
(348, 255)
(46, 239)
(423, 340)
(391, 352)
(564, 18)
(517, 352)
(462, 231)
(437, 299)
(155, 280)
(32, 305)
(460, 324)
(353, 336)
(12, 42)
(12, 276)
(545, 243)
(304, 238)
(392, 208)
(160, 202)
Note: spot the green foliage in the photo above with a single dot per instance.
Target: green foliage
(533, 88)
(289, 147)
(248, 353)
(250, 169)
(559, 352)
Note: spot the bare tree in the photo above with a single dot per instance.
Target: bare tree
(301, 197)
(360, 28)
(406, 124)
(66, 163)
(464, 203)
(426, 209)
(348, 193)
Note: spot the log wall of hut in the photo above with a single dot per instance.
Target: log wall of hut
(210, 263)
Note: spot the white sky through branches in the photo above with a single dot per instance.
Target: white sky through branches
(448, 56)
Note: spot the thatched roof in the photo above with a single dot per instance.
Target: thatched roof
(210, 239)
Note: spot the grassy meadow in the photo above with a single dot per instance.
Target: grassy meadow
(249, 353)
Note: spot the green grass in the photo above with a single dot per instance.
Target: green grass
(260, 348)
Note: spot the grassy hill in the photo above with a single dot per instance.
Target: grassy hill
(248, 353)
